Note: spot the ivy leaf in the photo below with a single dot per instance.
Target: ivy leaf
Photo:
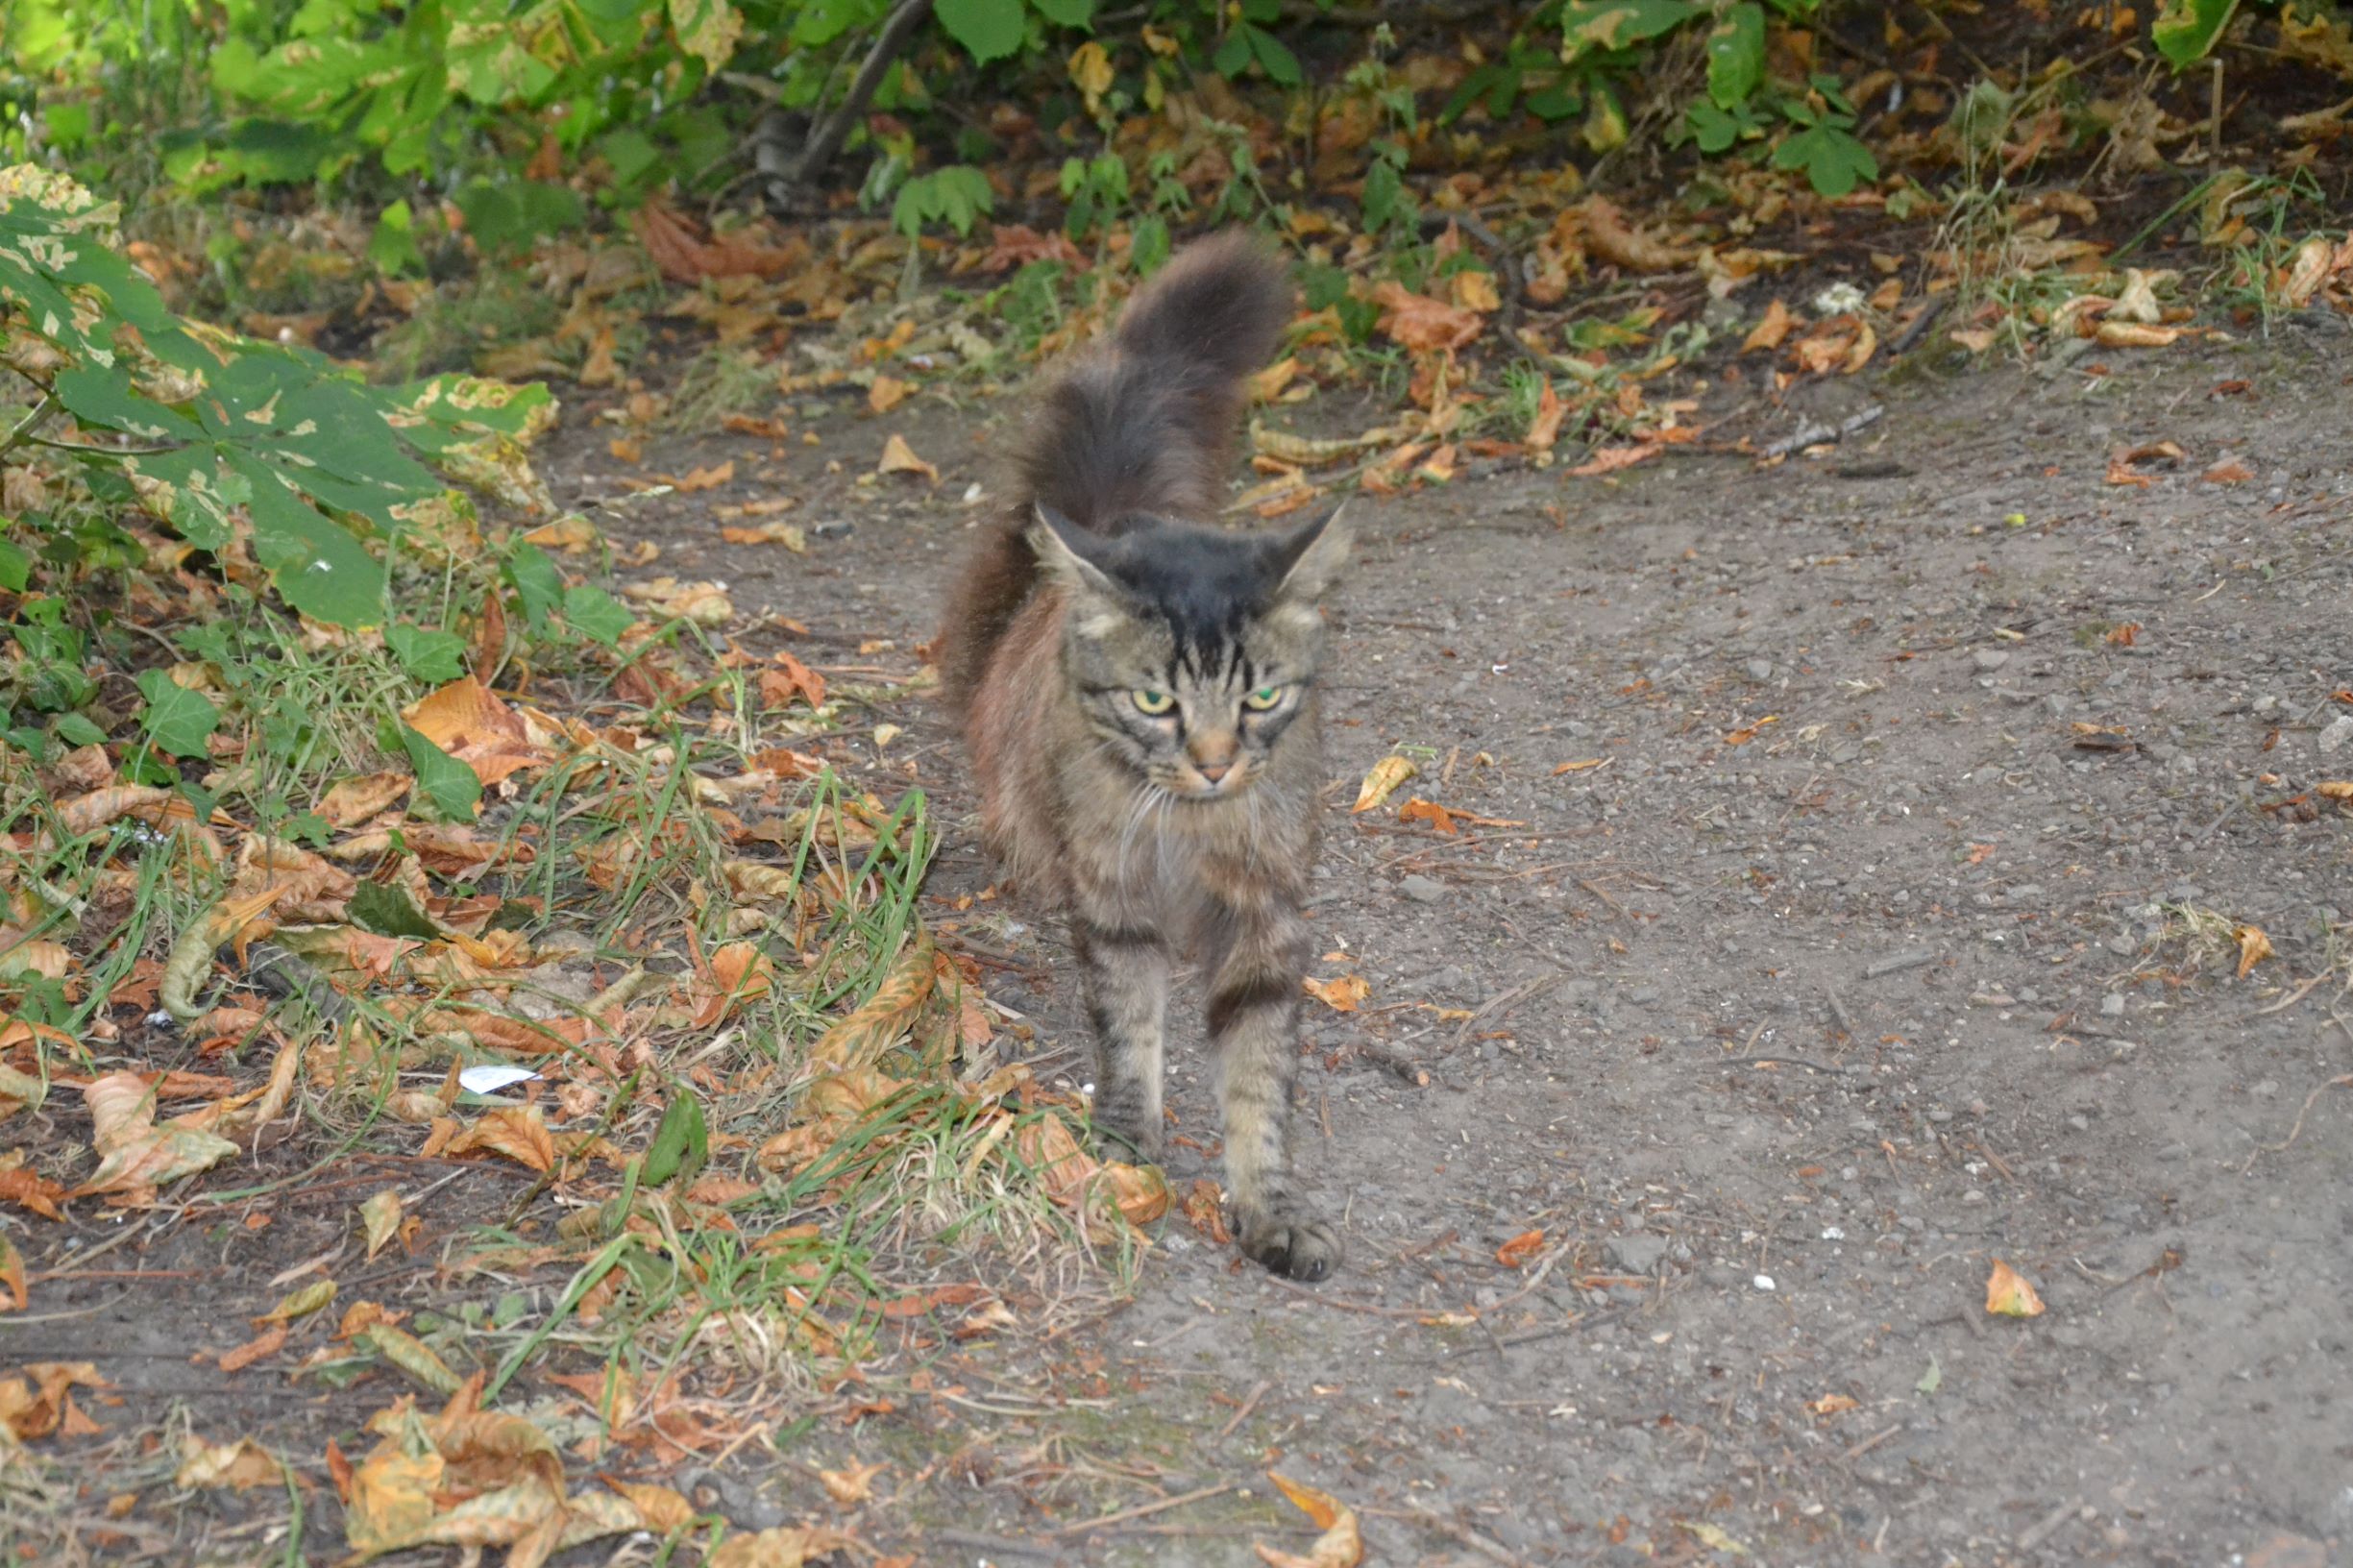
(1834, 160)
(453, 787)
(2185, 30)
(988, 29)
(596, 614)
(1736, 55)
(427, 653)
(389, 912)
(176, 718)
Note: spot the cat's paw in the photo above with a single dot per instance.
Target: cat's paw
(1291, 1243)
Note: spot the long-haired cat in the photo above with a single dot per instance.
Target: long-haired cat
(1138, 690)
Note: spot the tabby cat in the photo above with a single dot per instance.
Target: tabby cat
(1138, 692)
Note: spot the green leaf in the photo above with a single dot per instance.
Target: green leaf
(1834, 160)
(103, 395)
(682, 1144)
(1066, 13)
(427, 653)
(394, 247)
(1281, 66)
(16, 568)
(533, 571)
(596, 614)
(176, 718)
(1736, 55)
(75, 730)
(1933, 1378)
(389, 912)
(1715, 129)
(453, 787)
(707, 30)
(1592, 26)
(315, 564)
(2185, 30)
(988, 29)
(1233, 56)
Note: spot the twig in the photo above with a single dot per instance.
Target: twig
(1576, 1325)
(1900, 962)
(1243, 1415)
(1142, 1508)
(1869, 1443)
(2295, 1132)
(826, 139)
(1347, 1306)
(1815, 436)
(1915, 330)
(2044, 1528)
(25, 426)
(1492, 1551)
(1792, 1062)
(1003, 1545)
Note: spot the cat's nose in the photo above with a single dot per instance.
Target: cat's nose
(1213, 771)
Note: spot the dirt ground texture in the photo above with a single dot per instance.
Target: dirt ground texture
(1786, 1041)
(1884, 927)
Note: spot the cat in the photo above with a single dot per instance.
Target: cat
(1137, 694)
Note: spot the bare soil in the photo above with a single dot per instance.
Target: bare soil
(1889, 932)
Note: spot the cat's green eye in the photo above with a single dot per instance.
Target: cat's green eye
(1263, 698)
(1154, 703)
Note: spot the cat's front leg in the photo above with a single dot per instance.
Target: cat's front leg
(1254, 1025)
(1125, 969)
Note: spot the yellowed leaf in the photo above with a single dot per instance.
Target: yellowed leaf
(519, 1132)
(137, 1155)
(705, 604)
(707, 478)
(886, 392)
(1341, 1544)
(353, 801)
(1344, 994)
(2008, 1295)
(1475, 290)
(242, 1465)
(1713, 1537)
(1383, 781)
(2133, 334)
(1830, 1404)
(898, 457)
(1516, 1253)
(381, 1218)
(852, 1483)
(1609, 459)
(789, 1546)
(2253, 947)
(1423, 323)
(1090, 72)
(1768, 333)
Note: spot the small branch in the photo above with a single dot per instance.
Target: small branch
(23, 432)
(826, 139)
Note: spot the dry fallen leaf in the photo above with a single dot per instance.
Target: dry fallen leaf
(2228, 471)
(1382, 782)
(380, 1217)
(1544, 428)
(242, 1465)
(1516, 1253)
(1833, 1403)
(2133, 334)
(853, 1482)
(898, 457)
(886, 392)
(2008, 1295)
(1423, 323)
(705, 604)
(139, 1156)
(2253, 947)
(1609, 459)
(1609, 237)
(1341, 1544)
(1344, 994)
(1768, 333)
(707, 478)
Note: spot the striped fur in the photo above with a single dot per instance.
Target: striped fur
(1139, 697)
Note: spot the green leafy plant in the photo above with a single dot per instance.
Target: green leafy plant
(2185, 31)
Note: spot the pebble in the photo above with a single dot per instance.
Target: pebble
(1763, 1282)
(1424, 889)
(1760, 668)
(2337, 737)
(1635, 1254)
(2112, 1005)
(1993, 658)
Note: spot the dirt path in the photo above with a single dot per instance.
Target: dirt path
(1870, 953)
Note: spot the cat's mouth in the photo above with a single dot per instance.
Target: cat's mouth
(1198, 788)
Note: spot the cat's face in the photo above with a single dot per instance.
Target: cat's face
(1191, 650)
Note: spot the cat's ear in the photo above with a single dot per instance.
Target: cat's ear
(1310, 556)
(1067, 551)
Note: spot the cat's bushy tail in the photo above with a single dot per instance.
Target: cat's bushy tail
(1143, 422)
